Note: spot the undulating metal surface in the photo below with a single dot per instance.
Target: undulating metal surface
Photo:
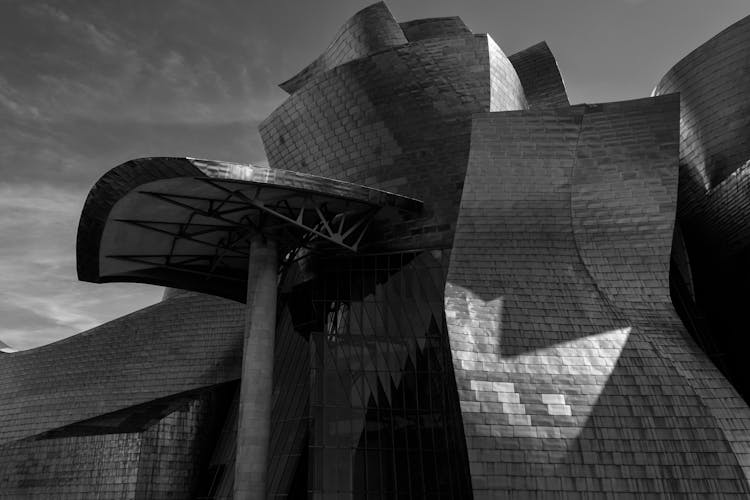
(570, 359)
(500, 321)
(164, 455)
(714, 193)
(178, 345)
(398, 119)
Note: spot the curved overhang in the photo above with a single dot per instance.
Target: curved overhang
(187, 223)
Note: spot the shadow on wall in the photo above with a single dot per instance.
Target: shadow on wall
(645, 422)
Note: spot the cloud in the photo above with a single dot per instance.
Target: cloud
(86, 86)
(40, 297)
(100, 38)
(12, 100)
(93, 61)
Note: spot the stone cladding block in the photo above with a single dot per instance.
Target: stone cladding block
(540, 76)
(368, 31)
(177, 345)
(575, 375)
(397, 120)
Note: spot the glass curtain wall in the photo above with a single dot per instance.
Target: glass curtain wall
(383, 404)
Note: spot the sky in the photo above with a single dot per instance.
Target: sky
(88, 84)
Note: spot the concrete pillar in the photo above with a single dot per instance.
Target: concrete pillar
(254, 425)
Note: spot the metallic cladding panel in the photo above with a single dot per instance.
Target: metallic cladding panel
(506, 89)
(100, 466)
(540, 76)
(163, 461)
(171, 293)
(177, 345)
(436, 27)
(719, 222)
(714, 191)
(715, 110)
(370, 30)
(397, 120)
(176, 450)
(575, 375)
(103, 196)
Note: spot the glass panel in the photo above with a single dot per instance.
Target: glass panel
(383, 401)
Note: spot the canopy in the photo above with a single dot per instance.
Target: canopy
(187, 223)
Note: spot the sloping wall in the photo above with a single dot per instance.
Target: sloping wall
(574, 372)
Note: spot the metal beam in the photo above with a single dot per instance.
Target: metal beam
(174, 267)
(177, 235)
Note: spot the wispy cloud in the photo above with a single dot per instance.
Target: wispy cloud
(40, 297)
(89, 64)
(102, 39)
(13, 101)
(88, 85)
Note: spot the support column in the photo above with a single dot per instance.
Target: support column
(254, 425)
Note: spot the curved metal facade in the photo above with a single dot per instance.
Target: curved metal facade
(714, 194)
(715, 104)
(540, 76)
(370, 30)
(436, 27)
(518, 337)
(398, 120)
(570, 359)
(123, 410)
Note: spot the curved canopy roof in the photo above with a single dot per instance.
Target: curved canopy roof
(187, 223)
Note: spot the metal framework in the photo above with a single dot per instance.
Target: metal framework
(308, 212)
(298, 219)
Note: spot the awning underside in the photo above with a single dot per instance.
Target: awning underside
(193, 232)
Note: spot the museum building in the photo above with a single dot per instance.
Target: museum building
(448, 283)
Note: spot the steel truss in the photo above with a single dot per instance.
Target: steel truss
(299, 218)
